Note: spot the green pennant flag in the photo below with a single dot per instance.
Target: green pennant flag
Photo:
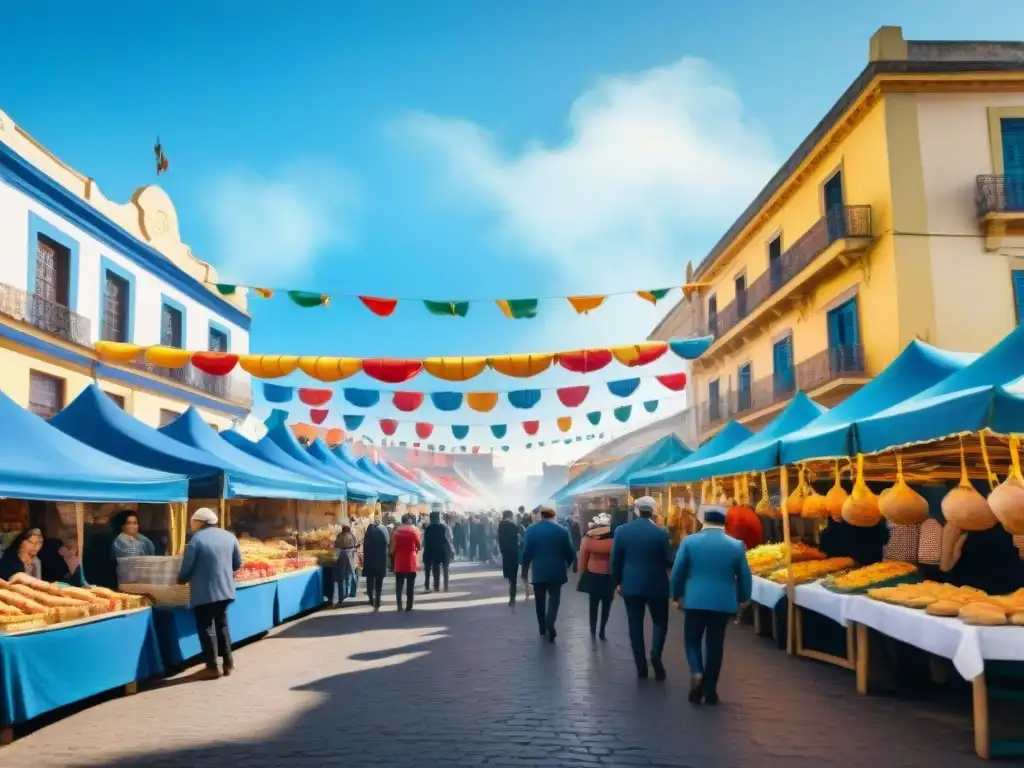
(594, 417)
(654, 295)
(529, 446)
(447, 308)
(650, 405)
(622, 413)
(540, 444)
(225, 289)
(307, 299)
(567, 440)
(518, 309)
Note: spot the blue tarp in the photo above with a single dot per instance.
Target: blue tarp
(598, 480)
(661, 453)
(190, 429)
(93, 418)
(566, 491)
(760, 451)
(343, 454)
(396, 479)
(38, 461)
(831, 435)
(269, 451)
(984, 394)
(373, 470)
(729, 436)
(323, 456)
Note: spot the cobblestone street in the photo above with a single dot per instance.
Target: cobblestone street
(462, 681)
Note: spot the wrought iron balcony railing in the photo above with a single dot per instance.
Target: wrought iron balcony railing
(851, 221)
(230, 388)
(820, 369)
(48, 316)
(1000, 194)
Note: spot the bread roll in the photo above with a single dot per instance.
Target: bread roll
(944, 608)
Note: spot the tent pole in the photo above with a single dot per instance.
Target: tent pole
(172, 528)
(788, 543)
(223, 501)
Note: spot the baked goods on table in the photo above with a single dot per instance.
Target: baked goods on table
(769, 557)
(812, 570)
(28, 603)
(970, 605)
(871, 576)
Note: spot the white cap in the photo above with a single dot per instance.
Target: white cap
(646, 502)
(205, 515)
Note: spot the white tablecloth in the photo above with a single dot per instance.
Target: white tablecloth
(966, 646)
(815, 597)
(767, 593)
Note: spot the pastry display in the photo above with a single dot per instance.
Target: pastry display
(812, 570)
(28, 603)
(770, 557)
(872, 575)
(970, 605)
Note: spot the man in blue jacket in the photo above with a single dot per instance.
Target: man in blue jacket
(211, 558)
(641, 558)
(712, 578)
(548, 548)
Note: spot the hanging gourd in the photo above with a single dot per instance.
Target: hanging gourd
(814, 505)
(835, 498)
(861, 508)
(764, 506)
(964, 507)
(1007, 499)
(901, 504)
(795, 501)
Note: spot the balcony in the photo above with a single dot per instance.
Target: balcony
(230, 388)
(828, 366)
(850, 225)
(48, 316)
(1000, 203)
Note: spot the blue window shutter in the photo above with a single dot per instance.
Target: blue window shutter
(1018, 293)
(1012, 130)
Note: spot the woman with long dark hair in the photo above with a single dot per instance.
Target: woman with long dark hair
(22, 555)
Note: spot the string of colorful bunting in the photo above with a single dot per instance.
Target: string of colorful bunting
(482, 402)
(514, 309)
(399, 370)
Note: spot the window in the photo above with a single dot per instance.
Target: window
(53, 271)
(743, 388)
(835, 207)
(218, 340)
(1012, 130)
(45, 394)
(713, 315)
(714, 403)
(783, 378)
(741, 296)
(116, 300)
(167, 416)
(170, 326)
(1018, 293)
(118, 399)
(775, 262)
(844, 337)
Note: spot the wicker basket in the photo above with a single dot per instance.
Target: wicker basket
(170, 596)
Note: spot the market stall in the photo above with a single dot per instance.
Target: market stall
(110, 636)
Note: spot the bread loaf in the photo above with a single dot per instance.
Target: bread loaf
(20, 601)
(44, 598)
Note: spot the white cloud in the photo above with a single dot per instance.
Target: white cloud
(653, 163)
(271, 228)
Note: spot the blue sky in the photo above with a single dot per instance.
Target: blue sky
(450, 149)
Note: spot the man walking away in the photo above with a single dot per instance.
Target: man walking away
(211, 558)
(641, 559)
(548, 549)
(510, 537)
(405, 547)
(459, 537)
(712, 577)
(437, 551)
(375, 561)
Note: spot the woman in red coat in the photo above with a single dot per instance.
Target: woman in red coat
(405, 547)
(741, 522)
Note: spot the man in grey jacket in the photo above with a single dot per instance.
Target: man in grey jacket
(211, 559)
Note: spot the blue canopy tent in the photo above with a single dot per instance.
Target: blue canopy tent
(565, 493)
(372, 469)
(760, 451)
(729, 436)
(323, 455)
(268, 451)
(661, 453)
(94, 419)
(917, 368)
(40, 462)
(190, 429)
(987, 393)
(389, 473)
(342, 454)
(439, 491)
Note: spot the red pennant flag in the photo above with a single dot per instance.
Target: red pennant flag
(407, 401)
(214, 363)
(318, 415)
(531, 427)
(388, 426)
(392, 370)
(674, 381)
(424, 430)
(476, 449)
(315, 397)
(571, 397)
(380, 307)
(585, 360)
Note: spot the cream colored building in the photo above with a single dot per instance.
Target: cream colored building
(76, 267)
(900, 216)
